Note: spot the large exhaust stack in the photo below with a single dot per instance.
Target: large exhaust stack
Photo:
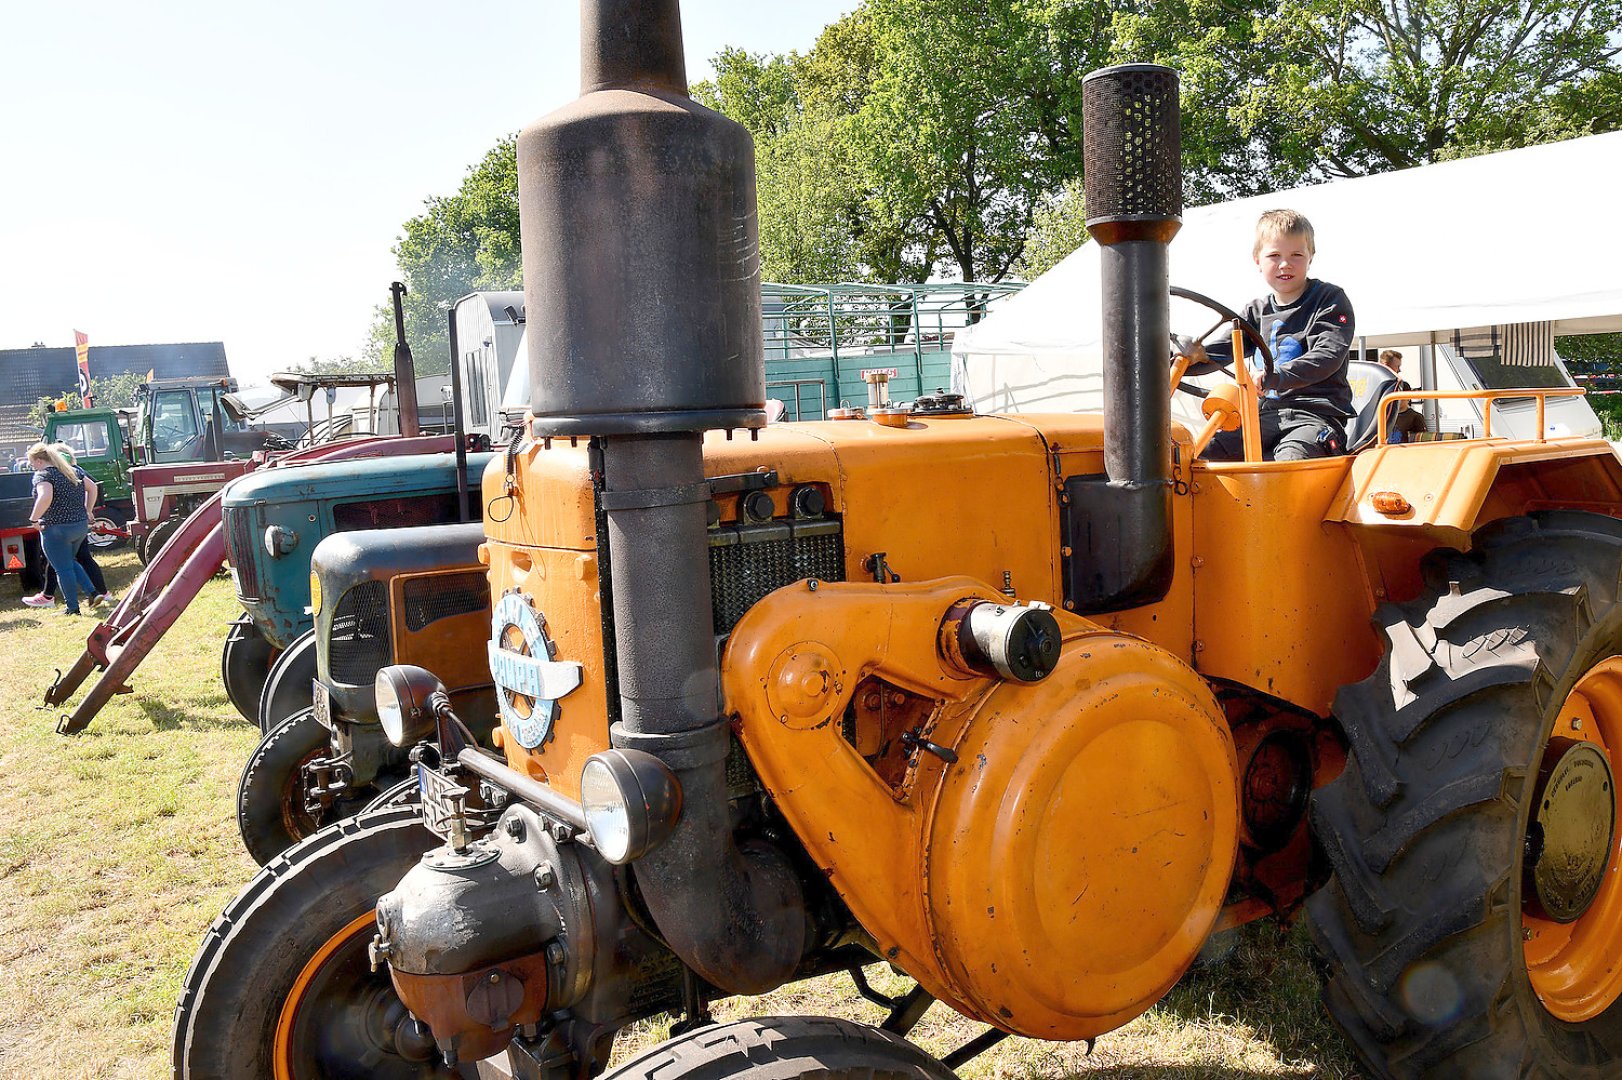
(639, 237)
(1133, 181)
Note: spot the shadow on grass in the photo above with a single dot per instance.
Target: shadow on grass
(1266, 976)
(167, 717)
(1173, 1072)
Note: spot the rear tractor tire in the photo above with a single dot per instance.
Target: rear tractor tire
(784, 1048)
(282, 986)
(1473, 921)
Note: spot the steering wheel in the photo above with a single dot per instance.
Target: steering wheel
(1228, 319)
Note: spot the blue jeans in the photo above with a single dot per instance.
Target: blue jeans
(61, 544)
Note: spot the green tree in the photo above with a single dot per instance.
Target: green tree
(351, 365)
(798, 108)
(916, 135)
(107, 392)
(1057, 229)
(971, 120)
(1375, 86)
(462, 243)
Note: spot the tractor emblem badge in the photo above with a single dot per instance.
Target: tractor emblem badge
(529, 679)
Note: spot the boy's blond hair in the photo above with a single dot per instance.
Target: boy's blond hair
(1283, 223)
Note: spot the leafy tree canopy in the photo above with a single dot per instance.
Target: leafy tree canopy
(108, 392)
(461, 243)
(920, 138)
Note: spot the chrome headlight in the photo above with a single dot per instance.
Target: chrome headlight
(631, 800)
(405, 705)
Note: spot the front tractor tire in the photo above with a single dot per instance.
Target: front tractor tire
(245, 662)
(282, 986)
(1472, 924)
(784, 1048)
(157, 536)
(271, 812)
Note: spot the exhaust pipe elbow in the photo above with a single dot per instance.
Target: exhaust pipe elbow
(735, 914)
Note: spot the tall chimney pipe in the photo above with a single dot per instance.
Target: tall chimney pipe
(405, 369)
(639, 237)
(1133, 184)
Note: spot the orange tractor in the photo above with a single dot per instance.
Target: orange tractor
(1024, 706)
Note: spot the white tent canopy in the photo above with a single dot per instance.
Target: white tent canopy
(1518, 237)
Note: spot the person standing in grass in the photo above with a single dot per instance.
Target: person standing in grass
(61, 510)
(99, 593)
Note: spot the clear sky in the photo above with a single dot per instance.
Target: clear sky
(190, 170)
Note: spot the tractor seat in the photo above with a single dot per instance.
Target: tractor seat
(1369, 383)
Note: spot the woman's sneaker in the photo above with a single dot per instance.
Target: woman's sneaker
(39, 600)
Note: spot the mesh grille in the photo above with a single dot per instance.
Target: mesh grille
(1132, 165)
(360, 634)
(244, 557)
(747, 563)
(430, 599)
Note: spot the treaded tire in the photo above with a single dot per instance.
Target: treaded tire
(250, 959)
(245, 663)
(157, 536)
(113, 517)
(287, 687)
(1420, 923)
(783, 1048)
(399, 793)
(270, 796)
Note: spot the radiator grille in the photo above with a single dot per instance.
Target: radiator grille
(396, 512)
(747, 562)
(244, 554)
(429, 599)
(360, 635)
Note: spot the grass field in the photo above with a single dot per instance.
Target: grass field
(118, 847)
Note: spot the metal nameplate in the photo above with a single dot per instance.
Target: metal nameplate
(321, 701)
(444, 802)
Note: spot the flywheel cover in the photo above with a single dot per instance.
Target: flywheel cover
(1082, 848)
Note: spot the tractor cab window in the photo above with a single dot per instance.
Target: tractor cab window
(88, 440)
(175, 428)
(210, 401)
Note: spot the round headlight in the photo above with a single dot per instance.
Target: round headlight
(631, 802)
(402, 692)
(608, 818)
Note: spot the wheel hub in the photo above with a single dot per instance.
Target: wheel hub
(1572, 827)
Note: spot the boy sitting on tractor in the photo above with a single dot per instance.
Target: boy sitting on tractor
(1308, 325)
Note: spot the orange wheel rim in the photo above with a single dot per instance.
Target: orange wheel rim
(282, 1055)
(1576, 967)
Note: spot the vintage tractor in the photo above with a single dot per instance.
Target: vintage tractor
(1024, 706)
(275, 518)
(378, 597)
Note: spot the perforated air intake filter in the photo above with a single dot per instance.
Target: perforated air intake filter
(1132, 153)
